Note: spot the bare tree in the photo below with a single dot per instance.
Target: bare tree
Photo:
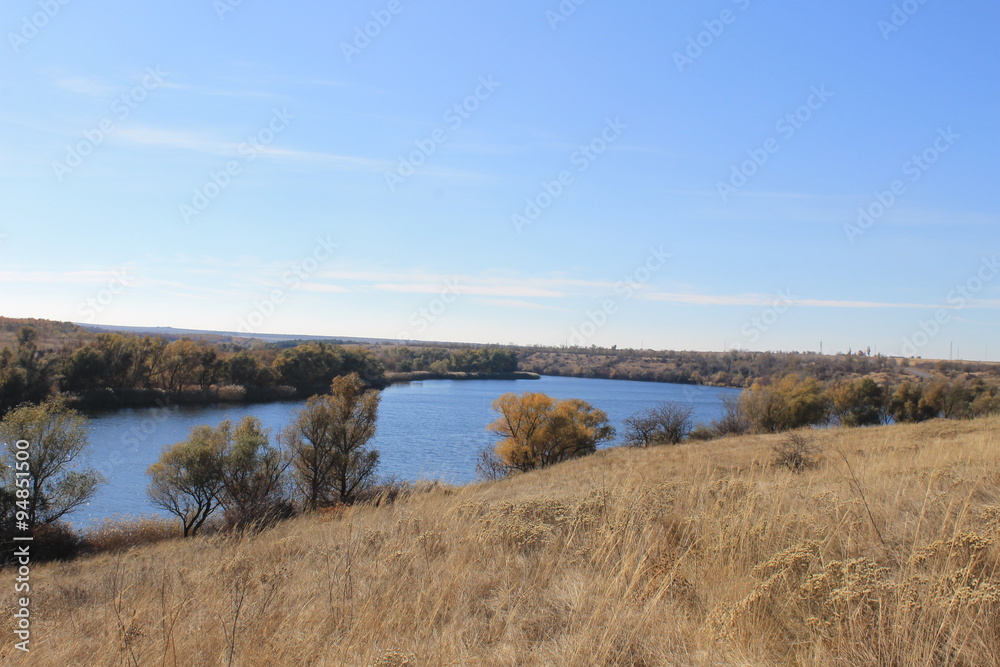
(666, 424)
(734, 420)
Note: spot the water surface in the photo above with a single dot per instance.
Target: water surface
(432, 429)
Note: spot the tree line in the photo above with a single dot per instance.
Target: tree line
(795, 401)
(114, 369)
(486, 359)
(733, 368)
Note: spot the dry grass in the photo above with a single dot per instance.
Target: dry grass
(112, 535)
(701, 554)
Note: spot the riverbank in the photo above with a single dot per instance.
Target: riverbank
(116, 399)
(418, 376)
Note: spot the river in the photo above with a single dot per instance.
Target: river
(433, 429)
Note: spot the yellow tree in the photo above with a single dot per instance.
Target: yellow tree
(786, 403)
(538, 430)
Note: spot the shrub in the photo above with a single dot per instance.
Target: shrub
(666, 424)
(113, 535)
(235, 519)
(796, 452)
(703, 432)
(54, 541)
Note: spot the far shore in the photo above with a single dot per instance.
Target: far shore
(416, 376)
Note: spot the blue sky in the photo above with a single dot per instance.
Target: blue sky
(670, 175)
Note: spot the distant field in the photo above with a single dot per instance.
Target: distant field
(700, 554)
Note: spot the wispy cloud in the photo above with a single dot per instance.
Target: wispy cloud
(769, 299)
(202, 143)
(324, 288)
(480, 289)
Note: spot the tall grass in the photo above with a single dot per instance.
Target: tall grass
(701, 554)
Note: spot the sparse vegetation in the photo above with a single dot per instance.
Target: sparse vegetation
(667, 424)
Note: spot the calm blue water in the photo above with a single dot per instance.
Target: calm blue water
(426, 430)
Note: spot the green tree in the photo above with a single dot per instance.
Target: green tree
(253, 475)
(182, 364)
(315, 365)
(37, 371)
(328, 440)
(244, 368)
(55, 441)
(538, 430)
(188, 478)
(859, 402)
(907, 404)
(85, 370)
(13, 381)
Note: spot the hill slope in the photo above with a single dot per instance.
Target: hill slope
(691, 555)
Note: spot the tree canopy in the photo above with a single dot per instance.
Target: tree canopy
(538, 430)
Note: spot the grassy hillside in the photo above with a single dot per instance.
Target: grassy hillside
(701, 554)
